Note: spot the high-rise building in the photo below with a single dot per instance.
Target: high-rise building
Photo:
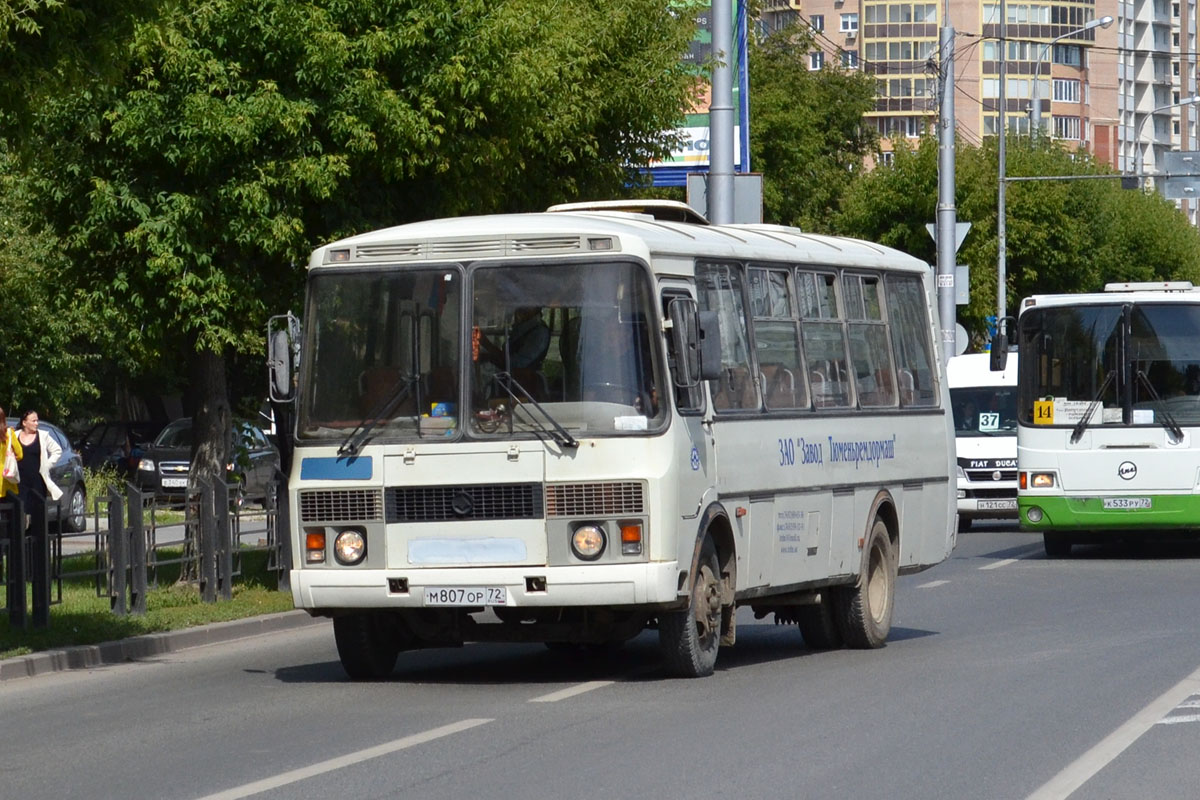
(1114, 91)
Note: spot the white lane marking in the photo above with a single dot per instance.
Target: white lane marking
(1083, 768)
(321, 767)
(999, 564)
(932, 584)
(570, 691)
(1179, 719)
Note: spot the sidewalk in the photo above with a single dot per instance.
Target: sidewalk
(153, 644)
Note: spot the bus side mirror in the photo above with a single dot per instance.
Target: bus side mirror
(1001, 343)
(999, 358)
(710, 346)
(281, 365)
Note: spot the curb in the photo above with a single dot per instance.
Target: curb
(151, 644)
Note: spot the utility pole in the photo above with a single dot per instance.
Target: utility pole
(1001, 189)
(947, 222)
(720, 118)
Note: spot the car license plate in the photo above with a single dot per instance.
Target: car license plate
(174, 483)
(1126, 502)
(466, 596)
(997, 505)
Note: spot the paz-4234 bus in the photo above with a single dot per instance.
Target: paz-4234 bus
(569, 427)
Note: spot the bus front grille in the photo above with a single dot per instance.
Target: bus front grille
(594, 499)
(339, 505)
(463, 502)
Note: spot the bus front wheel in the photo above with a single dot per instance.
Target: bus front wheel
(367, 645)
(1058, 545)
(864, 610)
(690, 638)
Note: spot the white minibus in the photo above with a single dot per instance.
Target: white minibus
(985, 437)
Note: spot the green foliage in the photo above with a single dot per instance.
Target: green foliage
(222, 141)
(1061, 235)
(806, 133)
(44, 336)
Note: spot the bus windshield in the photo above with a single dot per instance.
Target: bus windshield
(567, 346)
(1136, 363)
(984, 410)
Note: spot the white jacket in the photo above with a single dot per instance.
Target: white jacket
(51, 453)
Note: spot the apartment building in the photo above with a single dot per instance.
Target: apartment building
(1114, 91)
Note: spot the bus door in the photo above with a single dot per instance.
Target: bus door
(695, 464)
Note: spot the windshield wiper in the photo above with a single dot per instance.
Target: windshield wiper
(1080, 426)
(1168, 420)
(556, 432)
(400, 390)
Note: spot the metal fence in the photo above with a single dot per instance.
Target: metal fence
(136, 541)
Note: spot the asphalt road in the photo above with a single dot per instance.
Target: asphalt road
(1007, 675)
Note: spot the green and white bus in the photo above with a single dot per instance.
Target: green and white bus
(1108, 401)
(569, 427)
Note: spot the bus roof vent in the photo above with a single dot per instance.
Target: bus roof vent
(661, 210)
(1150, 286)
(465, 247)
(390, 250)
(541, 244)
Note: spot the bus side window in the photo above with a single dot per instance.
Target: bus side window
(720, 290)
(909, 323)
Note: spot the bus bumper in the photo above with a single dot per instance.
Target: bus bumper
(581, 586)
(1165, 512)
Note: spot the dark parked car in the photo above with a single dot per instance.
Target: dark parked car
(165, 465)
(71, 509)
(116, 443)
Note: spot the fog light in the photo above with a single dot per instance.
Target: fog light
(631, 539)
(1033, 514)
(314, 547)
(349, 547)
(587, 542)
(1041, 480)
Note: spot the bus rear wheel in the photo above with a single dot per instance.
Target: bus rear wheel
(864, 611)
(818, 626)
(367, 645)
(690, 638)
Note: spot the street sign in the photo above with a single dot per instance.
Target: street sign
(1181, 180)
(960, 232)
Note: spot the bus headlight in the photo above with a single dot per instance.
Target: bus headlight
(1041, 480)
(962, 475)
(587, 542)
(349, 547)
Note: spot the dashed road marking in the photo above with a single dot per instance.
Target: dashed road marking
(1083, 768)
(570, 691)
(932, 584)
(321, 767)
(998, 564)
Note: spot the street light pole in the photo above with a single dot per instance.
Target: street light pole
(1036, 129)
(1001, 212)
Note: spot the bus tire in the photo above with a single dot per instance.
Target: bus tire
(1057, 545)
(690, 638)
(818, 626)
(366, 645)
(864, 611)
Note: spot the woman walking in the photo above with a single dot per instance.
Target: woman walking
(40, 453)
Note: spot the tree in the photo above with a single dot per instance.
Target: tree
(806, 129)
(1061, 235)
(190, 181)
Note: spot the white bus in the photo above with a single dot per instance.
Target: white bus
(1109, 400)
(569, 427)
(985, 437)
